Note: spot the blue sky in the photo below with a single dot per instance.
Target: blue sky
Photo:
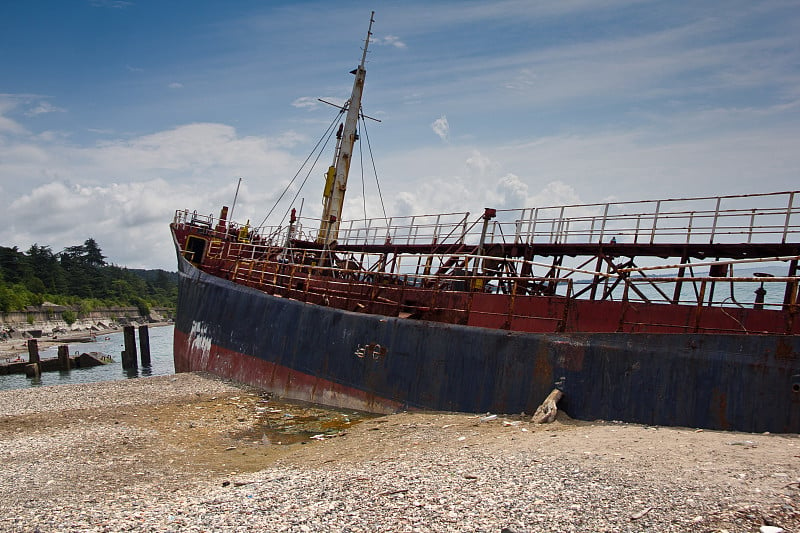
(113, 114)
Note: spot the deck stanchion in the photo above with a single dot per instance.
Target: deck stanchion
(129, 354)
(144, 345)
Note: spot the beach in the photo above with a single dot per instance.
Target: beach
(189, 453)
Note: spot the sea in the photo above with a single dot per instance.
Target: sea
(112, 344)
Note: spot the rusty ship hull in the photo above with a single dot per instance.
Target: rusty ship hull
(717, 381)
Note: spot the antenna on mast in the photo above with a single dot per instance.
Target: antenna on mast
(366, 41)
(235, 196)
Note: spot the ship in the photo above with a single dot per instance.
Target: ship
(672, 312)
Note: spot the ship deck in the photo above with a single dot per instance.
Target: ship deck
(720, 264)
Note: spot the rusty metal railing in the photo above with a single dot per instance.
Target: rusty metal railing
(764, 218)
(771, 217)
(353, 289)
(459, 272)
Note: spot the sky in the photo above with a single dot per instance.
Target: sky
(116, 113)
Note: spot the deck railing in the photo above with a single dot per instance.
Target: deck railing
(355, 287)
(772, 217)
(764, 218)
(668, 283)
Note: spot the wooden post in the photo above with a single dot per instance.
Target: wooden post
(129, 354)
(547, 412)
(64, 362)
(33, 351)
(144, 345)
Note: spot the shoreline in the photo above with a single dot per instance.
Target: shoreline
(186, 451)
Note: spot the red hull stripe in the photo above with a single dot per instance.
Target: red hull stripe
(278, 379)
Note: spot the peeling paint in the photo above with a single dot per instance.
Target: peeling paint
(200, 341)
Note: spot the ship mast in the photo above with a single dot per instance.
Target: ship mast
(336, 177)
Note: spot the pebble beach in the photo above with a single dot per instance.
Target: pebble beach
(192, 453)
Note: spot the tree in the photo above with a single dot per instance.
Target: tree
(69, 316)
(93, 254)
(79, 275)
(86, 254)
(6, 298)
(12, 263)
(44, 266)
(35, 285)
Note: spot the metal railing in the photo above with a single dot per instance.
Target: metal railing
(395, 292)
(763, 218)
(261, 258)
(772, 217)
(263, 236)
(459, 272)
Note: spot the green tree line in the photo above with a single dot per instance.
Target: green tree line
(79, 276)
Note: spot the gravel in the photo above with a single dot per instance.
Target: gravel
(178, 453)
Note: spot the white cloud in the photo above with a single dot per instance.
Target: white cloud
(513, 192)
(10, 126)
(312, 102)
(554, 193)
(441, 128)
(51, 136)
(306, 102)
(389, 40)
(478, 164)
(7, 104)
(128, 220)
(124, 192)
(43, 108)
(190, 151)
(196, 166)
(175, 85)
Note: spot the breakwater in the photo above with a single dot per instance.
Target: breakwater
(48, 317)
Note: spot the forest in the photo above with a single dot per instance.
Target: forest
(79, 276)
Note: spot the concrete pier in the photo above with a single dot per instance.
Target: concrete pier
(144, 345)
(64, 361)
(33, 351)
(33, 370)
(129, 354)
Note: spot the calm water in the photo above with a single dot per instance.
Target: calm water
(111, 344)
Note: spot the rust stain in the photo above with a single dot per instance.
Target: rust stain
(719, 406)
(543, 370)
(784, 350)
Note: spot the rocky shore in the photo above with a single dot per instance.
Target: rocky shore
(191, 453)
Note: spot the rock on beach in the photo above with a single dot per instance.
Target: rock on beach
(187, 453)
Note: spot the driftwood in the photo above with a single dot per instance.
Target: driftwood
(547, 412)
